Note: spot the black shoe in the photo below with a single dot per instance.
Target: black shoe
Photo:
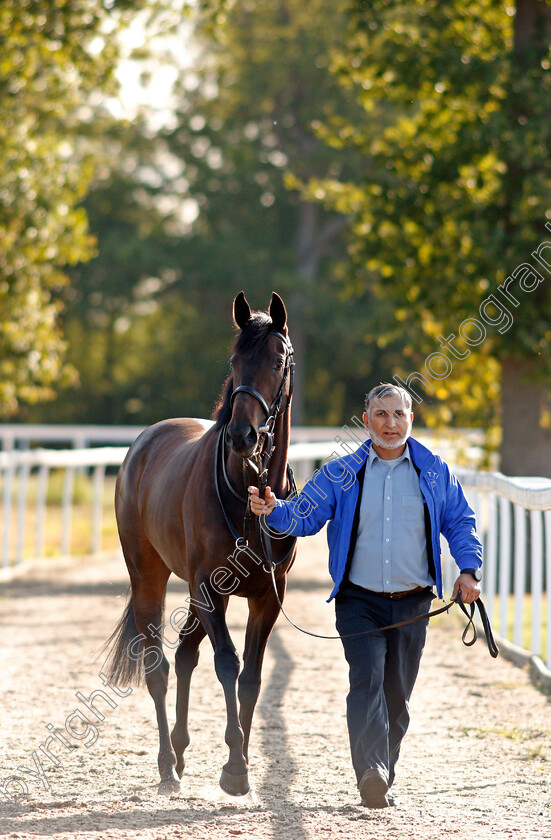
(387, 801)
(373, 788)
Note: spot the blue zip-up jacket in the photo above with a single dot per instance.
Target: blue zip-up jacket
(331, 496)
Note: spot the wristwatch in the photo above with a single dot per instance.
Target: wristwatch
(476, 573)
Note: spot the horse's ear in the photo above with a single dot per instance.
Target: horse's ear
(278, 313)
(241, 310)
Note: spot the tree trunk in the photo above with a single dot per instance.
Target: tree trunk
(528, 18)
(526, 442)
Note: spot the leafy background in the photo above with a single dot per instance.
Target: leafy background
(384, 166)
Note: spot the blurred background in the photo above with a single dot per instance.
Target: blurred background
(383, 165)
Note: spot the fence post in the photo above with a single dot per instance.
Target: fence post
(24, 471)
(7, 509)
(505, 562)
(41, 499)
(97, 507)
(536, 580)
(490, 576)
(547, 519)
(519, 571)
(67, 508)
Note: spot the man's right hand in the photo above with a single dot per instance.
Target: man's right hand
(260, 506)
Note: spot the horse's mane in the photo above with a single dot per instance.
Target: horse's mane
(249, 340)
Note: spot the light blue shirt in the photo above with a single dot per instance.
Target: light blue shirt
(391, 550)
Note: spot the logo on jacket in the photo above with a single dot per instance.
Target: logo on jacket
(432, 476)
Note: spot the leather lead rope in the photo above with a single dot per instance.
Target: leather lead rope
(260, 469)
(217, 455)
(267, 551)
(263, 537)
(492, 646)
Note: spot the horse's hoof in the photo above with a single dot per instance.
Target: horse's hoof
(168, 786)
(233, 784)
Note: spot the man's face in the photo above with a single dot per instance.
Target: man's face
(389, 421)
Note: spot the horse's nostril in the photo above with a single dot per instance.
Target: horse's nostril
(242, 438)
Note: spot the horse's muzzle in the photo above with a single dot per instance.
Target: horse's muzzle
(243, 439)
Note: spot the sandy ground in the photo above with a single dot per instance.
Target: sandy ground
(475, 763)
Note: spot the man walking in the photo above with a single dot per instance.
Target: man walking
(386, 504)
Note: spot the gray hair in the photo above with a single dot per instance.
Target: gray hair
(387, 389)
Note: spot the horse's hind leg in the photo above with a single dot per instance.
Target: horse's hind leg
(149, 577)
(187, 657)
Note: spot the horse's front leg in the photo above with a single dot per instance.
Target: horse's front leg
(235, 776)
(263, 613)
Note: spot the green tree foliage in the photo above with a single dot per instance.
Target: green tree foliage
(247, 119)
(143, 336)
(56, 58)
(187, 217)
(456, 131)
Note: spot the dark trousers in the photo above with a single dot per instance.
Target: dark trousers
(383, 669)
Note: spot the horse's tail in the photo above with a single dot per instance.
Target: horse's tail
(124, 664)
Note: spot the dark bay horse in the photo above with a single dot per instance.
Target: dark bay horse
(180, 501)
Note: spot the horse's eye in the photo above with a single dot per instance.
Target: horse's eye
(279, 364)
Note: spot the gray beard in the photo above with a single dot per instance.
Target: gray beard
(386, 444)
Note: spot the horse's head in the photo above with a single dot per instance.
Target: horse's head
(261, 372)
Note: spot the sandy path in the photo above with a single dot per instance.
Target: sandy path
(475, 764)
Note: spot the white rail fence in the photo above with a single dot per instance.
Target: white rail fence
(514, 521)
(513, 516)
(17, 467)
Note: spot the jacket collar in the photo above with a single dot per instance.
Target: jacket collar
(422, 456)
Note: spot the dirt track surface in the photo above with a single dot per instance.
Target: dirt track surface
(475, 764)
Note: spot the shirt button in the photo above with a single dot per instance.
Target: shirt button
(388, 519)
(387, 561)
(388, 497)
(388, 539)
(387, 581)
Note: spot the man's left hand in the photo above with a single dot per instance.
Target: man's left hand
(470, 588)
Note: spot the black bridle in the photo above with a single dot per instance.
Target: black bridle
(255, 467)
(272, 410)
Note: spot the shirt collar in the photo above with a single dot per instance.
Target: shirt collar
(372, 457)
